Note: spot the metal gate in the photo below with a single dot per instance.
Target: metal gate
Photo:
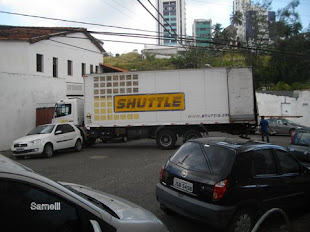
(44, 115)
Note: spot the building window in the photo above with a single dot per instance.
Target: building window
(83, 68)
(55, 67)
(91, 68)
(69, 67)
(97, 69)
(39, 63)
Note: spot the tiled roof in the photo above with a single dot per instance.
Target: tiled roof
(35, 34)
(109, 68)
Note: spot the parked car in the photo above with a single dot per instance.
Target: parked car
(282, 126)
(45, 139)
(31, 202)
(300, 144)
(229, 182)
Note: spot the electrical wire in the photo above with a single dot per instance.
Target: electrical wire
(150, 36)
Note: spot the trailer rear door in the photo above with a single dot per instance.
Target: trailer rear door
(240, 95)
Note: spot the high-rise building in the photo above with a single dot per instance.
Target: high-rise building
(202, 32)
(172, 15)
(242, 6)
(257, 23)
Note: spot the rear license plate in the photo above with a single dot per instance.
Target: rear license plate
(183, 185)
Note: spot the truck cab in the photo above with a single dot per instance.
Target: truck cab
(69, 110)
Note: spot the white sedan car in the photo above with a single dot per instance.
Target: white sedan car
(45, 139)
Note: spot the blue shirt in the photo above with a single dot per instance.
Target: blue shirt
(264, 125)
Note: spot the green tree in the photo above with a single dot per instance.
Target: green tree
(236, 18)
(193, 58)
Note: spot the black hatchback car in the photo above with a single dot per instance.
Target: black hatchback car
(229, 182)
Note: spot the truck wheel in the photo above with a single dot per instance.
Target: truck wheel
(90, 142)
(191, 134)
(48, 151)
(166, 139)
(78, 145)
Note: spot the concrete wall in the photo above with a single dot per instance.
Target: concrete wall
(19, 97)
(273, 105)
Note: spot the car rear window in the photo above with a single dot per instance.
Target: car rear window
(191, 157)
(220, 158)
(302, 138)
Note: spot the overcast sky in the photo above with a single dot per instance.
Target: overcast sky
(121, 13)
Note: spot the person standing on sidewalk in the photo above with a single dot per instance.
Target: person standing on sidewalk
(264, 126)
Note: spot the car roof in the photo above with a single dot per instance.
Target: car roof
(58, 123)
(303, 129)
(237, 144)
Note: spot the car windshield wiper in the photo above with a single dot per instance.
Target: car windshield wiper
(95, 201)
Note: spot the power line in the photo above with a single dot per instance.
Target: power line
(74, 21)
(150, 36)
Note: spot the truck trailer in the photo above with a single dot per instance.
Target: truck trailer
(162, 105)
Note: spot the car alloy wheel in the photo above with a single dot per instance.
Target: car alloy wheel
(78, 145)
(48, 150)
(242, 221)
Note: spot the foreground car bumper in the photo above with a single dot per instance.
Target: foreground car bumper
(214, 215)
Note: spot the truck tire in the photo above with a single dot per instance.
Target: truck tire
(90, 142)
(191, 134)
(166, 139)
(48, 151)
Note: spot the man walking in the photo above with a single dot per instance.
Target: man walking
(264, 125)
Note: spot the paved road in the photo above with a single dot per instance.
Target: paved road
(130, 170)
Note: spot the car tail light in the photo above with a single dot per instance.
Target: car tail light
(220, 189)
(161, 175)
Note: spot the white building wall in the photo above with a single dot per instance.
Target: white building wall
(20, 56)
(272, 105)
(23, 89)
(19, 97)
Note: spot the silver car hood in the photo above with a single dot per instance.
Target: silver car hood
(124, 209)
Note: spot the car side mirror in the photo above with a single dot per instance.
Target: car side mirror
(95, 225)
(58, 132)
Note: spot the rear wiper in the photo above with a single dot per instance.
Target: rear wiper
(183, 159)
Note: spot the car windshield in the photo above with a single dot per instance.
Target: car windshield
(62, 110)
(289, 122)
(45, 129)
(302, 138)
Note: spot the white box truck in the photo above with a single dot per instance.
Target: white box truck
(162, 105)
